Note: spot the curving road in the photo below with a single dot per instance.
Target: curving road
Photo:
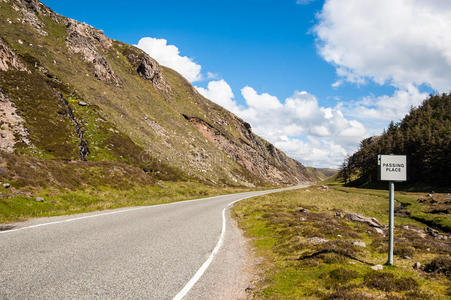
(169, 251)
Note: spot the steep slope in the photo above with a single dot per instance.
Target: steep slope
(69, 93)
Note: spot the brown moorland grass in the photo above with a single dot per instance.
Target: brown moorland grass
(309, 250)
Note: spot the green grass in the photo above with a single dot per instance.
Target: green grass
(296, 268)
(62, 202)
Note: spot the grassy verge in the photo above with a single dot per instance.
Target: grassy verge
(310, 250)
(61, 202)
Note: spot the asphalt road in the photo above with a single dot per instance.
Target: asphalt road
(152, 252)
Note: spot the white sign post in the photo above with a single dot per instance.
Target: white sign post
(392, 168)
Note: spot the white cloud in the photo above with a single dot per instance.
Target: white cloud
(221, 93)
(211, 75)
(387, 107)
(337, 83)
(403, 42)
(330, 136)
(169, 56)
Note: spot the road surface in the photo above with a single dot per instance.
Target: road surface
(169, 251)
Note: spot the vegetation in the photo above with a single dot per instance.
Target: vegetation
(424, 135)
(321, 174)
(19, 207)
(309, 250)
(130, 119)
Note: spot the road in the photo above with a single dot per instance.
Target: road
(169, 251)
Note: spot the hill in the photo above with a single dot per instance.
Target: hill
(424, 135)
(79, 109)
(321, 174)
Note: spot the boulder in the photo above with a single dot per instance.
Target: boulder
(303, 210)
(373, 222)
(359, 243)
(377, 267)
(416, 265)
(82, 103)
(6, 185)
(39, 199)
(317, 240)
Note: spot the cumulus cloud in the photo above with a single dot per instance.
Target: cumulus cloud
(387, 107)
(315, 135)
(400, 42)
(169, 56)
(220, 92)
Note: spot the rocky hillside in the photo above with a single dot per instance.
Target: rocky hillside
(70, 97)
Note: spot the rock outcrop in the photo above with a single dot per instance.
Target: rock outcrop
(8, 59)
(128, 109)
(146, 67)
(263, 160)
(90, 43)
(12, 128)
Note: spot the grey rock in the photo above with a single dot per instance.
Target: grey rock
(39, 199)
(377, 267)
(317, 240)
(406, 257)
(373, 222)
(359, 243)
(6, 185)
(416, 265)
(303, 210)
(3, 135)
(82, 103)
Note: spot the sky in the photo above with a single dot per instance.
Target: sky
(314, 77)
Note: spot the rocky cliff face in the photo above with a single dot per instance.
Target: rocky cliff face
(68, 93)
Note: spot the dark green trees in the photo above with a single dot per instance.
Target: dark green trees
(424, 135)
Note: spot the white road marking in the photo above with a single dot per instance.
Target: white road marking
(207, 263)
(107, 213)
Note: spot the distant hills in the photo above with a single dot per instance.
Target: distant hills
(78, 108)
(321, 174)
(424, 135)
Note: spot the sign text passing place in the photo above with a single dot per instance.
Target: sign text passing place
(392, 167)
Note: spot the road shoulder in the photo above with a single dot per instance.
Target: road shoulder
(231, 272)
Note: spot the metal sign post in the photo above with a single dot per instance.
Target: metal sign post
(392, 168)
(391, 222)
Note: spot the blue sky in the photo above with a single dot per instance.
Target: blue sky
(268, 52)
(261, 43)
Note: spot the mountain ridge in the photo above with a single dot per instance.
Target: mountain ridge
(71, 93)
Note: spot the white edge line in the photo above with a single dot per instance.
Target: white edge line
(207, 263)
(110, 213)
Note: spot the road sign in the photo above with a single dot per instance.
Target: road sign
(392, 167)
